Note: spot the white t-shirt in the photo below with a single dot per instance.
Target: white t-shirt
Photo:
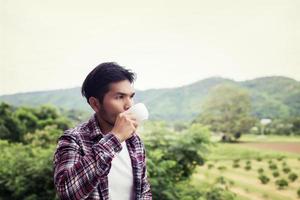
(120, 176)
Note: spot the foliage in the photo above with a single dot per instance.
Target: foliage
(43, 138)
(27, 141)
(273, 166)
(259, 159)
(281, 183)
(26, 172)
(235, 165)
(176, 154)
(227, 110)
(15, 123)
(275, 173)
(264, 179)
(247, 167)
(260, 170)
(218, 193)
(292, 176)
(286, 170)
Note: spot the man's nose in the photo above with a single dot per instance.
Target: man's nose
(129, 102)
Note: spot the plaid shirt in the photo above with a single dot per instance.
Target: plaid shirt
(83, 158)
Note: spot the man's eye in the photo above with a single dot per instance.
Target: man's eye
(119, 97)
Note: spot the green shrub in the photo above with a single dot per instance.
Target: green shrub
(286, 170)
(222, 168)
(273, 166)
(292, 176)
(221, 180)
(263, 179)
(236, 160)
(298, 193)
(275, 173)
(231, 182)
(270, 162)
(218, 193)
(248, 162)
(209, 166)
(236, 165)
(168, 150)
(259, 159)
(281, 183)
(260, 170)
(280, 158)
(284, 164)
(247, 167)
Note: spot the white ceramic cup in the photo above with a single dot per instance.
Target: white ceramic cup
(139, 111)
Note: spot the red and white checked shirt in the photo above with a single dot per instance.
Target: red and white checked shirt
(83, 159)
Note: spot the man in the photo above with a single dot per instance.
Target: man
(103, 158)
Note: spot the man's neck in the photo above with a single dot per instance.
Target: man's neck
(105, 126)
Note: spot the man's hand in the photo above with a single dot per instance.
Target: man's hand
(125, 126)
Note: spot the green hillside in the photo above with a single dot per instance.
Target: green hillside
(272, 97)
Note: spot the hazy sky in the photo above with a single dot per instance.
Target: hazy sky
(55, 44)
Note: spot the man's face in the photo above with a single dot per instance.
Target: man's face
(118, 99)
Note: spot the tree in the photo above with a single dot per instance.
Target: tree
(177, 154)
(227, 110)
(11, 127)
(26, 172)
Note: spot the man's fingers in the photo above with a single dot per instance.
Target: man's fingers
(131, 116)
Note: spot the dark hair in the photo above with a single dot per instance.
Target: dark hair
(97, 82)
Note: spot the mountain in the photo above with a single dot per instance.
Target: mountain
(272, 97)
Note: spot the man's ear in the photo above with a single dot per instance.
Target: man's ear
(95, 104)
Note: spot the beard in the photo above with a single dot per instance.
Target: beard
(106, 117)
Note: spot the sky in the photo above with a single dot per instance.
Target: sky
(47, 45)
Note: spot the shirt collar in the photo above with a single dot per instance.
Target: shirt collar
(95, 131)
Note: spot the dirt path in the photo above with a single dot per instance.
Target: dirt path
(293, 147)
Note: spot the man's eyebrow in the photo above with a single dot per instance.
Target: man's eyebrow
(125, 94)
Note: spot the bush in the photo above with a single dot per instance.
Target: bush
(210, 166)
(222, 168)
(259, 159)
(236, 165)
(286, 170)
(273, 166)
(247, 167)
(176, 154)
(298, 192)
(26, 171)
(185, 191)
(221, 180)
(231, 182)
(260, 170)
(218, 193)
(263, 179)
(293, 177)
(280, 158)
(281, 183)
(270, 162)
(276, 174)
(248, 162)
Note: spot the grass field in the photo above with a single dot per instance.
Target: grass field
(237, 166)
